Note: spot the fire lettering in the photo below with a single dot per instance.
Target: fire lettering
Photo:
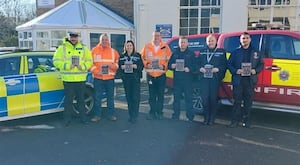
(269, 89)
(281, 91)
(293, 91)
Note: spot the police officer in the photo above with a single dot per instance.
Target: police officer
(73, 60)
(156, 55)
(131, 67)
(244, 64)
(181, 64)
(210, 66)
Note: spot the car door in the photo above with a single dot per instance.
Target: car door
(11, 86)
(282, 70)
(44, 88)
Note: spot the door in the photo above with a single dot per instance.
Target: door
(44, 88)
(281, 74)
(11, 87)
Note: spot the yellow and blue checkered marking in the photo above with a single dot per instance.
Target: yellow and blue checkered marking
(3, 100)
(31, 93)
(51, 91)
(11, 93)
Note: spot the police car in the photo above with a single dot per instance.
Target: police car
(278, 87)
(30, 85)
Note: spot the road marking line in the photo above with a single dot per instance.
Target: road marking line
(277, 129)
(7, 129)
(262, 144)
(43, 126)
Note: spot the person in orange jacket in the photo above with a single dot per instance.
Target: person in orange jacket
(155, 56)
(105, 66)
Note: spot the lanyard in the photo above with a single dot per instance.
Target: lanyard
(130, 57)
(210, 55)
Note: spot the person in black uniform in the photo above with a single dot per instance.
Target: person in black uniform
(244, 64)
(210, 66)
(131, 67)
(181, 63)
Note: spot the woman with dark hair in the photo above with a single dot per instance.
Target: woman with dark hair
(131, 67)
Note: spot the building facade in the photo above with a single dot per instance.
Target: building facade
(187, 17)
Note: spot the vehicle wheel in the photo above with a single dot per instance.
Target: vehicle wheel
(88, 99)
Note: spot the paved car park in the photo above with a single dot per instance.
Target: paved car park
(44, 139)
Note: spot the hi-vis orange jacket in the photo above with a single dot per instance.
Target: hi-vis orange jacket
(103, 57)
(162, 55)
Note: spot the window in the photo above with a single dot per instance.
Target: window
(210, 2)
(94, 39)
(40, 64)
(25, 35)
(42, 35)
(55, 44)
(189, 2)
(42, 44)
(58, 34)
(297, 48)
(233, 42)
(117, 42)
(283, 47)
(10, 66)
(199, 16)
(280, 13)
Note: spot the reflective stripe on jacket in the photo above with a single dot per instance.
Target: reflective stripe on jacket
(104, 56)
(62, 60)
(162, 54)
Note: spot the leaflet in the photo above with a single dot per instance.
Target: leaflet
(208, 71)
(179, 65)
(104, 69)
(75, 60)
(128, 67)
(246, 69)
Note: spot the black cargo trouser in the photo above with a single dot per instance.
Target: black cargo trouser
(242, 94)
(74, 90)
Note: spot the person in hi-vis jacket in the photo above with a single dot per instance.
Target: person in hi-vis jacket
(105, 66)
(156, 55)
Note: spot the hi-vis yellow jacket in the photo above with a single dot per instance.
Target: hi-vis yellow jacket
(62, 60)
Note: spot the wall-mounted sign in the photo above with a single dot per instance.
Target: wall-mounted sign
(165, 30)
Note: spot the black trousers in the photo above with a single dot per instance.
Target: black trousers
(156, 93)
(210, 88)
(74, 90)
(132, 88)
(242, 94)
(183, 87)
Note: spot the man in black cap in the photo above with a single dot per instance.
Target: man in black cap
(73, 60)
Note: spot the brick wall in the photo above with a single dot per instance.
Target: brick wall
(121, 7)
